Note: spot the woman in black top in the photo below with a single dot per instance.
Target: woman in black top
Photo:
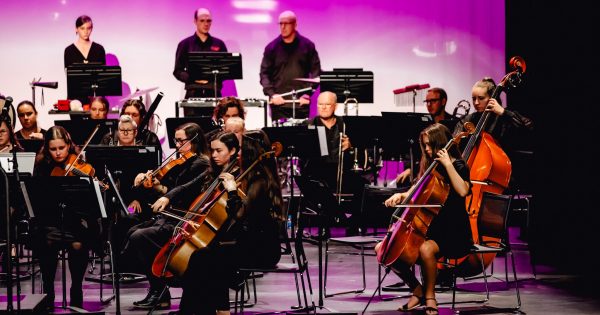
(179, 187)
(449, 234)
(28, 118)
(249, 239)
(76, 234)
(84, 50)
(8, 140)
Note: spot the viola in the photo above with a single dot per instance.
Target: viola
(200, 226)
(409, 224)
(160, 172)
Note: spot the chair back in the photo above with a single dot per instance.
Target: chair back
(493, 215)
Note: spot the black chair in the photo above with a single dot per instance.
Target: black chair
(492, 225)
(298, 266)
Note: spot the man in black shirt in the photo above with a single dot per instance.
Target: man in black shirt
(288, 57)
(200, 41)
(326, 168)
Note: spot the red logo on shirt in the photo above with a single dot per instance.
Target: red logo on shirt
(214, 48)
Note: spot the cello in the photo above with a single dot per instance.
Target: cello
(201, 224)
(490, 167)
(410, 221)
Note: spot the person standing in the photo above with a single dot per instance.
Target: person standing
(287, 57)
(201, 40)
(84, 51)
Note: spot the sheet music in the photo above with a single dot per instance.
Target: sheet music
(322, 140)
(99, 198)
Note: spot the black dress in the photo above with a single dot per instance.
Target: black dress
(451, 229)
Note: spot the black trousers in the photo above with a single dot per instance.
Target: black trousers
(144, 241)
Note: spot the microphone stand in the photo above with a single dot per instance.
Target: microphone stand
(9, 293)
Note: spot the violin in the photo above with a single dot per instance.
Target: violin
(76, 166)
(160, 172)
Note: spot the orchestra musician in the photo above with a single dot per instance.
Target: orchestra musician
(79, 234)
(137, 111)
(237, 126)
(201, 40)
(449, 234)
(99, 108)
(178, 188)
(84, 50)
(29, 126)
(253, 238)
(287, 57)
(435, 101)
(8, 140)
(326, 168)
(228, 107)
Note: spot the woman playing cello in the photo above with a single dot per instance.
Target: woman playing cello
(449, 234)
(178, 187)
(58, 151)
(251, 241)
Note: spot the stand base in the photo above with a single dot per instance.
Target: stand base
(30, 304)
(125, 278)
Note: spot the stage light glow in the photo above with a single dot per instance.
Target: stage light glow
(269, 5)
(253, 18)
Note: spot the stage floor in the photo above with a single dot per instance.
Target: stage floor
(549, 293)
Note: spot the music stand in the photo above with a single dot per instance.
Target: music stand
(364, 132)
(208, 65)
(80, 130)
(54, 198)
(406, 129)
(85, 80)
(207, 124)
(31, 145)
(349, 85)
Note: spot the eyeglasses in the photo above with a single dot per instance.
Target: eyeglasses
(180, 141)
(285, 23)
(205, 21)
(126, 131)
(3, 131)
(431, 100)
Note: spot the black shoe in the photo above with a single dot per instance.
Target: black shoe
(393, 287)
(156, 301)
(144, 300)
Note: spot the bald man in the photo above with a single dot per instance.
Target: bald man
(326, 168)
(201, 40)
(287, 57)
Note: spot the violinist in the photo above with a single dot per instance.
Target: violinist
(58, 149)
(449, 234)
(253, 238)
(178, 188)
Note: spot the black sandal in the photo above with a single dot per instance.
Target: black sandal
(405, 308)
(429, 310)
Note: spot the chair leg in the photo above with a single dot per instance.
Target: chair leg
(516, 280)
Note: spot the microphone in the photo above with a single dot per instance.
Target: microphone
(50, 85)
(4, 116)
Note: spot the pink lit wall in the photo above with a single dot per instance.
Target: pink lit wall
(450, 44)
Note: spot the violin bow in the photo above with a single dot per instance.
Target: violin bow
(87, 142)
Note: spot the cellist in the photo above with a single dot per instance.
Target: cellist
(179, 187)
(449, 234)
(48, 240)
(251, 241)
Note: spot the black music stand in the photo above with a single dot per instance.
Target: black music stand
(80, 130)
(349, 85)
(208, 65)
(366, 132)
(404, 139)
(54, 198)
(84, 80)
(207, 124)
(31, 145)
